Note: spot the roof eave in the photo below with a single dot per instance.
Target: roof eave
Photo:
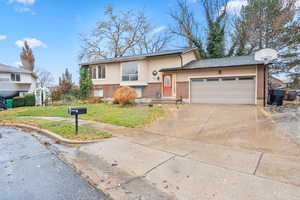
(195, 68)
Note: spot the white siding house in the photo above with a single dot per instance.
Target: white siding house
(16, 81)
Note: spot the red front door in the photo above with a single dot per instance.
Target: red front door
(167, 85)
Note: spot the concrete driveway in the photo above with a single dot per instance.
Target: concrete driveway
(238, 126)
(206, 152)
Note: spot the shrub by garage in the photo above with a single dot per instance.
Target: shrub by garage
(29, 100)
(19, 102)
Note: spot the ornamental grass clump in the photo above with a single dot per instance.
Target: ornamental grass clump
(124, 95)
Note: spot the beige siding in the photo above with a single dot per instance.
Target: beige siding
(158, 63)
(184, 75)
(112, 76)
(146, 67)
(188, 57)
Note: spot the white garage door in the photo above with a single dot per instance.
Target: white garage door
(226, 90)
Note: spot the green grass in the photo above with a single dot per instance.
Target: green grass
(63, 129)
(130, 116)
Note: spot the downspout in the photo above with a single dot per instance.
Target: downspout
(181, 60)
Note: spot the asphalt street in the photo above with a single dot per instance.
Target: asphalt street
(29, 171)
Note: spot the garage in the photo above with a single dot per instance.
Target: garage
(223, 90)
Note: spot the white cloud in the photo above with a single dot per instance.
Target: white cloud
(23, 9)
(3, 37)
(159, 29)
(234, 6)
(18, 63)
(25, 2)
(32, 42)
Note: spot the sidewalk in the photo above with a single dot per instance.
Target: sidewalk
(210, 172)
(142, 165)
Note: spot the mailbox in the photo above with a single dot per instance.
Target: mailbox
(77, 110)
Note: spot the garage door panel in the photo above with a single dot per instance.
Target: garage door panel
(223, 92)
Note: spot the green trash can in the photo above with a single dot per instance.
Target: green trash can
(9, 103)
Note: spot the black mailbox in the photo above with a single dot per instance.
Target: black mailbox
(77, 110)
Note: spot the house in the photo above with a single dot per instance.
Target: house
(275, 82)
(16, 81)
(183, 75)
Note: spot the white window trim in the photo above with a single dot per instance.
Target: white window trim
(99, 89)
(15, 77)
(121, 72)
(141, 94)
(97, 78)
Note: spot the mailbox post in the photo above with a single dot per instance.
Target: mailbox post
(77, 111)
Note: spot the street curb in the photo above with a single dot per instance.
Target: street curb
(49, 134)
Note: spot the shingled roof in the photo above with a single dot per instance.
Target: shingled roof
(11, 69)
(217, 62)
(139, 57)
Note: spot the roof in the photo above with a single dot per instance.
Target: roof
(217, 62)
(140, 57)
(273, 77)
(7, 68)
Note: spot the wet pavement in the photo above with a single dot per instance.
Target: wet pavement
(29, 170)
(238, 126)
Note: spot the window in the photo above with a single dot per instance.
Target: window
(246, 78)
(167, 81)
(98, 92)
(198, 79)
(228, 79)
(94, 73)
(15, 77)
(101, 71)
(138, 92)
(130, 71)
(212, 79)
(22, 94)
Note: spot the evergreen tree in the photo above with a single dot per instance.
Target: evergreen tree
(270, 24)
(85, 81)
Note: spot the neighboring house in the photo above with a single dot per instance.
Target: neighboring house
(16, 81)
(183, 75)
(275, 82)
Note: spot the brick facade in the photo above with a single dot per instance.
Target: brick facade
(182, 90)
(151, 90)
(108, 90)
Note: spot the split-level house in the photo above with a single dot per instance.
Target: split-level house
(15, 81)
(182, 74)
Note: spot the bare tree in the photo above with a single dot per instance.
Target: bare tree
(208, 37)
(186, 26)
(120, 34)
(153, 42)
(44, 78)
(27, 57)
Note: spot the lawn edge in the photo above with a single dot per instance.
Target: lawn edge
(49, 134)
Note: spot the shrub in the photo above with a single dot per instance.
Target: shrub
(29, 100)
(55, 94)
(124, 95)
(94, 100)
(19, 102)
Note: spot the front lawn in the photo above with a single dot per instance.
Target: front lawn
(64, 129)
(130, 116)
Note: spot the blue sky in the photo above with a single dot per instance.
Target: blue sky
(53, 27)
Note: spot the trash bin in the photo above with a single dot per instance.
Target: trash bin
(292, 95)
(277, 97)
(9, 103)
